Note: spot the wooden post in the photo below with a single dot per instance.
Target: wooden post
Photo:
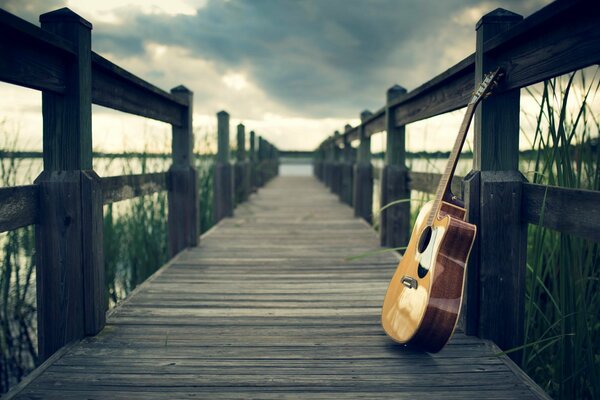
(223, 180)
(363, 174)
(242, 184)
(336, 177)
(261, 162)
(184, 220)
(253, 162)
(71, 296)
(394, 226)
(493, 191)
(327, 162)
(347, 169)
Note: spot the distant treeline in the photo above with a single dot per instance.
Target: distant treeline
(593, 145)
(38, 154)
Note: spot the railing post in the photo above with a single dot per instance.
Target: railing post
(242, 172)
(71, 296)
(347, 169)
(223, 184)
(261, 162)
(496, 272)
(336, 177)
(253, 162)
(363, 174)
(183, 219)
(394, 226)
(318, 162)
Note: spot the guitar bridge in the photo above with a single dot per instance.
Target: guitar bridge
(409, 282)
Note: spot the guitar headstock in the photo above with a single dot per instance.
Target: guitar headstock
(490, 81)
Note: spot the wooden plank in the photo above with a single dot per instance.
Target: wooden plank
(267, 306)
(427, 182)
(124, 187)
(115, 88)
(18, 207)
(31, 57)
(572, 211)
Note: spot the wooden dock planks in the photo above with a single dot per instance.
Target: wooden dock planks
(268, 307)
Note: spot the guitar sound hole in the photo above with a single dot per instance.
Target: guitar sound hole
(424, 239)
(421, 272)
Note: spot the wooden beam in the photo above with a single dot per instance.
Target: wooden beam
(115, 88)
(32, 57)
(572, 211)
(18, 207)
(125, 187)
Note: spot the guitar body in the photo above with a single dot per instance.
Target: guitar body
(424, 297)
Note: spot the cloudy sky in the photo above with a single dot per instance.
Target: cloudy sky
(294, 71)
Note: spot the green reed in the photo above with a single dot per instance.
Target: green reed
(562, 351)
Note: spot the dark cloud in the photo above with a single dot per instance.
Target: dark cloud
(319, 58)
(30, 10)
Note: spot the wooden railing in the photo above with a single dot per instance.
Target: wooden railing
(65, 203)
(233, 184)
(558, 39)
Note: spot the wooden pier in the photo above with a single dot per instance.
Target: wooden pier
(268, 306)
(267, 303)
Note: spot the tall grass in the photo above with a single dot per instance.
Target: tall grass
(18, 322)
(563, 292)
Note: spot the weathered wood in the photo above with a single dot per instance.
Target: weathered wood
(124, 187)
(242, 168)
(362, 197)
(32, 57)
(223, 178)
(394, 225)
(502, 259)
(183, 217)
(253, 160)
(67, 122)
(395, 220)
(92, 243)
(263, 317)
(18, 207)
(559, 38)
(336, 171)
(427, 182)
(59, 272)
(572, 211)
(502, 234)
(115, 88)
(469, 319)
(347, 169)
(69, 247)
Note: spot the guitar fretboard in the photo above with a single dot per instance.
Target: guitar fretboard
(451, 164)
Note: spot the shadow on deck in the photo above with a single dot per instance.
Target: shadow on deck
(267, 307)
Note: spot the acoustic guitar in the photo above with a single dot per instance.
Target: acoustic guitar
(423, 300)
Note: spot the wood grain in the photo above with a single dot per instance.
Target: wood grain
(18, 207)
(124, 187)
(572, 211)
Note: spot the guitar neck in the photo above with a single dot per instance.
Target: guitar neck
(444, 185)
